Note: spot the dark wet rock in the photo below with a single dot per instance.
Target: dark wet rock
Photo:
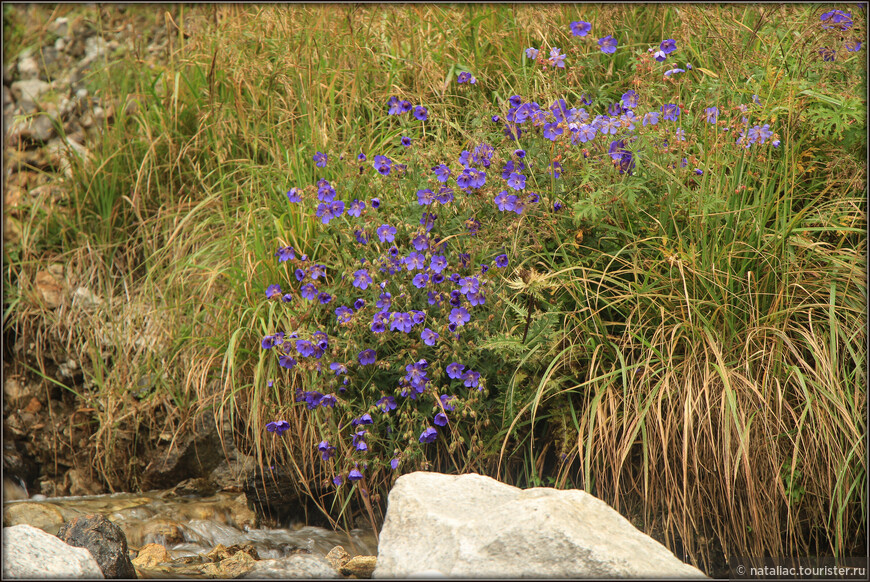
(272, 495)
(31, 553)
(196, 455)
(105, 540)
(17, 464)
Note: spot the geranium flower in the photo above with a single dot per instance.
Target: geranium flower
(668, 46)
(356, 208)
(442, 173)
(326, 450)
(836, 19)
(586, 133)
(651, 118)
(532, 53)
(278, 426)
(273, 291)
(420, 280)
(712, 114)
(309, 292)
(367, 357)
(429, 337)
(320, 159)
(517, 181)
(455, 370)
(471, 379)
(552, 131)
(438, 263)
(387, 403)
(386, 233)
(425, 197)
(293, 195)
(608, 44)
(382, 165)
(556, 58)
(285, 254)
(343, 314)
(670, 112)
(428, 435)
(629, 99)
(415, 261)
(361, 279)
(459, 316)
(580, 28)
(445, 195)
(316, 271)
(421, 113)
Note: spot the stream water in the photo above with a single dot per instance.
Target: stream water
(189, 527)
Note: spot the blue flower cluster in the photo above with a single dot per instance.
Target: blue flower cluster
(409, 291)
(837, 22)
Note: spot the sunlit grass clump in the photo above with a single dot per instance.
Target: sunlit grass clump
(617, 248)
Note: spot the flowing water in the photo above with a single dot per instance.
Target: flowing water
(189, 527)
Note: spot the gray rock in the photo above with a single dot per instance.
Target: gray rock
(39, 128)
(295, 566)
(28, 67)
(29, 552)
(95, 48)
(28, 92)
(470, 526)
(60, 27)
(105, 541)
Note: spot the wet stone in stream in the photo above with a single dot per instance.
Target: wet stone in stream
(196, 531)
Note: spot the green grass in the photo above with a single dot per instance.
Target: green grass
(689, 350)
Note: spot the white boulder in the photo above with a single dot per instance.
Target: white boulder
(29, 552)
(471, 526)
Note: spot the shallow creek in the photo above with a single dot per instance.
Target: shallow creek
(189, 527)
